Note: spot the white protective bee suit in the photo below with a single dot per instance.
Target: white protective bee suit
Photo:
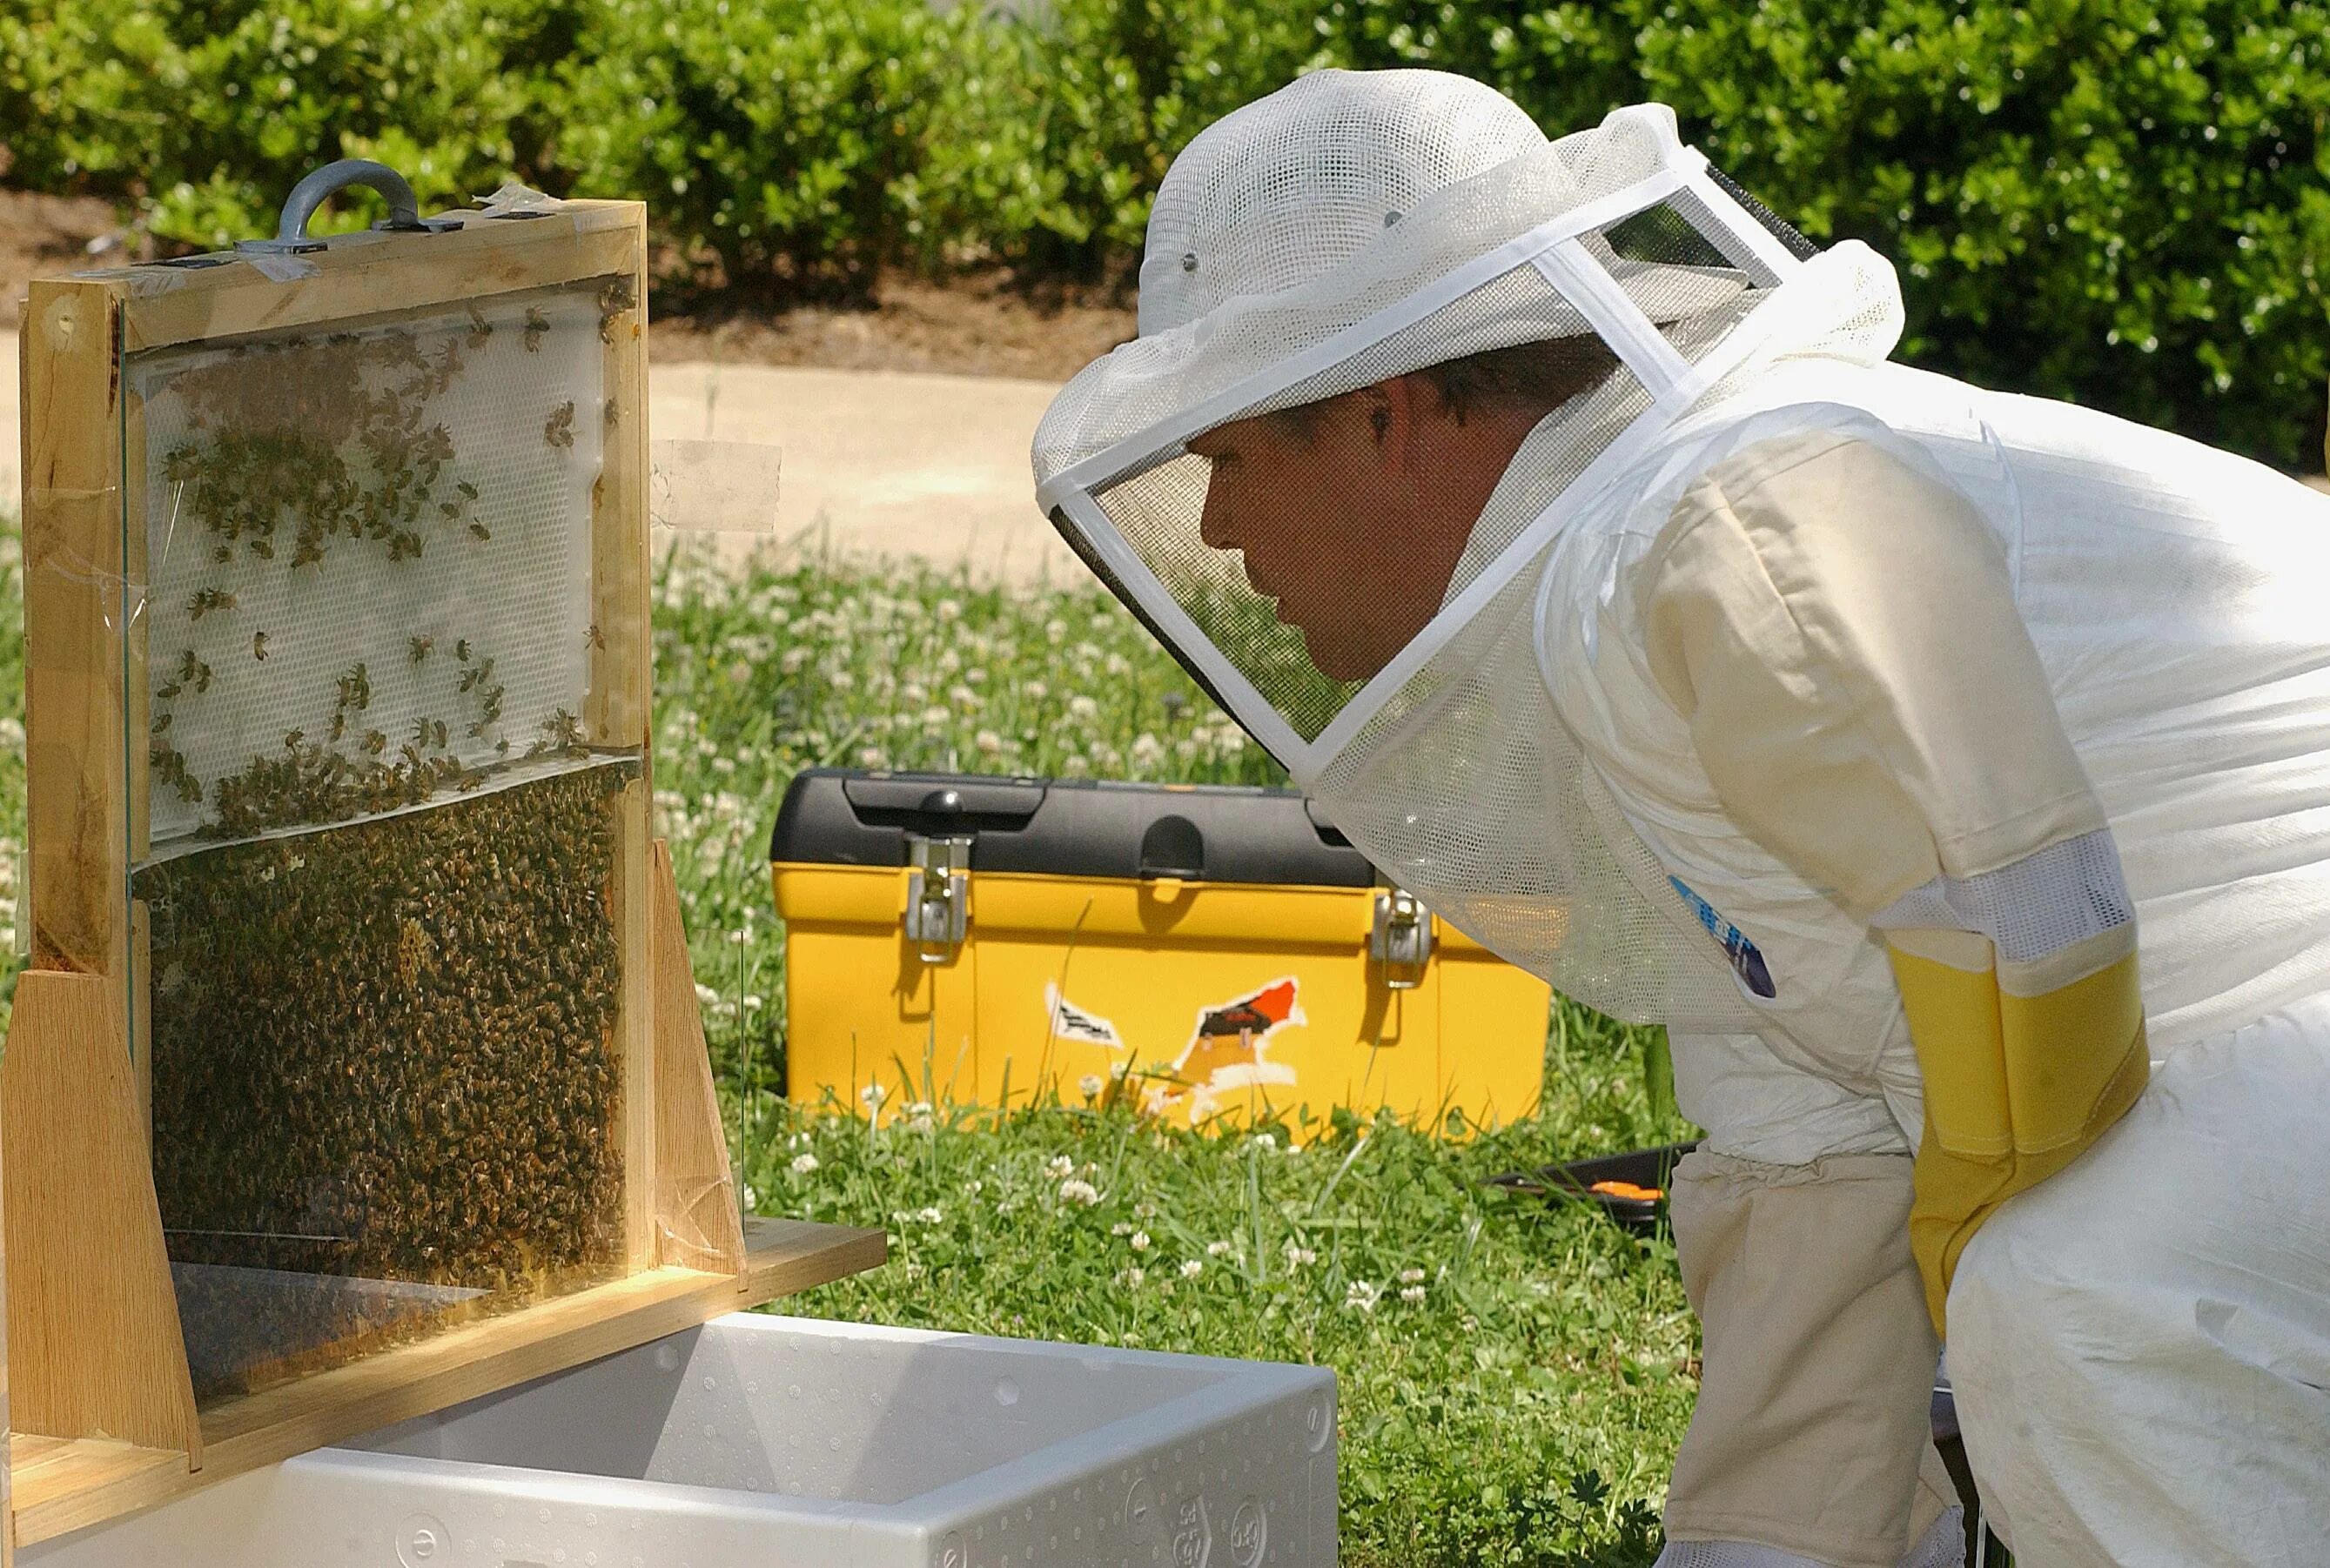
(1852, 723)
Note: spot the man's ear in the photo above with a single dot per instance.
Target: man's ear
(1394, 410)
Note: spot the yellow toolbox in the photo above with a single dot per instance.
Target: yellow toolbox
(1215, 953)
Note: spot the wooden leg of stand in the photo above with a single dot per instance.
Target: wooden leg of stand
(696, 1192)
(94, 1345)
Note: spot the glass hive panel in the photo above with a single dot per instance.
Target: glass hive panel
(382, 968)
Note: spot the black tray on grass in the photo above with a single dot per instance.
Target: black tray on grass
(1573, 1183)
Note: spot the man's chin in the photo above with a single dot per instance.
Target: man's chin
(1340, 659)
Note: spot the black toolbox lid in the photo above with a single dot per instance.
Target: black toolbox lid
(1066, 827)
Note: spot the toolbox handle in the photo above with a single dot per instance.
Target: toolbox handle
(1173, 849)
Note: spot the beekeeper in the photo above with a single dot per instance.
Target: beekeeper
(1549, 509)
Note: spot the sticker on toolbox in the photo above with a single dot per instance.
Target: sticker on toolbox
(1070, 1022)
(1229, 1047)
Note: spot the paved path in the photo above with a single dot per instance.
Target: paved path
(873, 464)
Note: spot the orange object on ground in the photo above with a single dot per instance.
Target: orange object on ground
(1628, 1190)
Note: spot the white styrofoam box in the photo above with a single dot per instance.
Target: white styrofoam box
(779, 1442)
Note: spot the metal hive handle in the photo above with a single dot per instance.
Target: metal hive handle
(309, 194)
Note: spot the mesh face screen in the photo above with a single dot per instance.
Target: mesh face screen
(381, 963)
(1298, 555)
(1779, 227)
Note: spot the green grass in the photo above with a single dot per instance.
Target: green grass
(1513, 1380)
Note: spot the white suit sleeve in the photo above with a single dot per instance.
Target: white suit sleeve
(1839, 630)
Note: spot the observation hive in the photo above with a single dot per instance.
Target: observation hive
(358, 1069)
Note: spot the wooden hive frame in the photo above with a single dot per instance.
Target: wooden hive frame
(103, 1416)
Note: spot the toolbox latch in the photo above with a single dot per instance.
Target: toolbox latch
(1402, 939)
(938, 895)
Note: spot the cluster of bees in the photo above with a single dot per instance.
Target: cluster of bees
(384, 1051)
(301, 443)
(275, 425)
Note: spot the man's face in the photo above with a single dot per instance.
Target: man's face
(1333, 525)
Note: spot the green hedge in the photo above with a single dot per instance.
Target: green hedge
(2123, 201)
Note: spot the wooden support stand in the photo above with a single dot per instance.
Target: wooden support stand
(104, 1419)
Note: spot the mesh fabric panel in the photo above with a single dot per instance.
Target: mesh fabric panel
(1779, 227)
(2036, 907)
(412, 501)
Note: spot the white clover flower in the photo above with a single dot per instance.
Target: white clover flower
(950, 610)
(1148, 750)
(1412, 1294)
(1300, 1256)
(962, 697)
(803, 1164)
(1092, 1085)
(1081, 706)
(1411, 1276)
(931, 1215)
(989, 742)
(1132, 1276)
(755, 1004)
(974, 1187)
(1120, 1229)
(1362, 1294)
(872, 1094)
(794, 658)
(1265, 1142)
(914, 694)
(1035, 691)
(1076, 1191)
(935, 717)
(11, 733)
(975, 675)
(872, 757)
(1192, 1269)
(1075, 767)
(1220, 1249)
(1139, 1242)
(1059, 1167)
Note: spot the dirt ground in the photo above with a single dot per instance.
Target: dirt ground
(980, 325)
(48, 234)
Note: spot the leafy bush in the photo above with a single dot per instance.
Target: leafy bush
(775, 137)
(204, 113)
(2121, 202)
(2126, 203)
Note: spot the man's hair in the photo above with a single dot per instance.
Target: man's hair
(1529, 378)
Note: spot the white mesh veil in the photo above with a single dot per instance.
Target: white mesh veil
(1355, 227)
